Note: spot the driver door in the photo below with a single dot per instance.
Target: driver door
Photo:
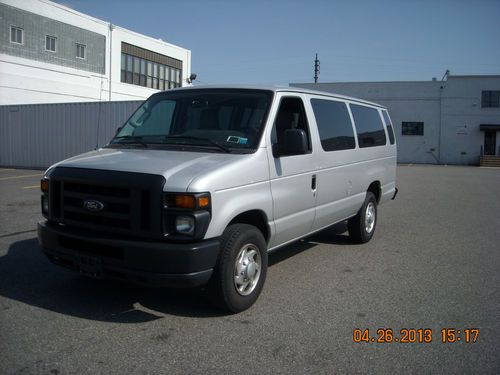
(293, 178)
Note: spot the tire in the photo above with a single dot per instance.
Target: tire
(241, 268)
(362, 226)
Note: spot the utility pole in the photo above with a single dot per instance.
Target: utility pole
(316, 69)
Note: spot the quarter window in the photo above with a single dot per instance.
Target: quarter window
(368, 126)
(388, 124)
(50, 43)
(16, 35)
(334, 125)
(490, 99)
(412, 128)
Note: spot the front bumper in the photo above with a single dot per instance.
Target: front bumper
(150, 263)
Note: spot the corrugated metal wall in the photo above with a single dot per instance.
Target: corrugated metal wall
(38, 135)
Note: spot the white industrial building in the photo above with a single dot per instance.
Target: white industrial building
(453, 121)
(50, 53)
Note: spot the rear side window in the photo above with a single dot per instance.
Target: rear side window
(390, 129)
(368, 126)
(334, 125)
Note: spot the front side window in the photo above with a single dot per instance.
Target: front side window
(291, 115)
(16, 35)
(204, 120)
(334, 125)
(490, 99)
(50, 43)
(368, 126)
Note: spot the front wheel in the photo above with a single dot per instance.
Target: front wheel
(241, 268)
(362, 226)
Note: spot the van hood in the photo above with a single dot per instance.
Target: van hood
(179, 168)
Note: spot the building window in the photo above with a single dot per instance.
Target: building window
(142, 72)
(50, 43)
(80, 51)
(490, 99)
(16, 35)
(137, 69)
(412, 128)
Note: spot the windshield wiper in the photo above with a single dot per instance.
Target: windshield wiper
(129, 140)
(210, 141)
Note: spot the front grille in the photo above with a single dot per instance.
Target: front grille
(131, 202)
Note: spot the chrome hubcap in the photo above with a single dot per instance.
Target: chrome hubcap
(370, 217)
(247, 269)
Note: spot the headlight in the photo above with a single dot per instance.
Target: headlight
(186, 216)
(184, 224)
(45, 205)
(44, 187)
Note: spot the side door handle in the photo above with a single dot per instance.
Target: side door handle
(313, 182)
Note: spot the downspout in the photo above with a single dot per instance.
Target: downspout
(110, 56)
(440, 122)
(445, 76)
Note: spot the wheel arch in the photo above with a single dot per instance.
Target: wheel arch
(376, 190)
(256, 218)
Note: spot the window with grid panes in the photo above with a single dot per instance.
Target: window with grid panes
(16, 35)
(50, 43)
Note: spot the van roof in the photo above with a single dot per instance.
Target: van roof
(279, 89)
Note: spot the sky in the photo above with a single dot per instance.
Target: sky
(275, 42)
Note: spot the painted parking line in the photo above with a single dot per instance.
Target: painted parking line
(24, 176)
(31, 187)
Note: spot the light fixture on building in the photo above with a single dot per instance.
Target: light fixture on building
(191, 78)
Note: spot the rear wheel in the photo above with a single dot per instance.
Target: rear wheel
(241, 269)
(362, 226)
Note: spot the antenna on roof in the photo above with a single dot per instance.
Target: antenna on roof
(446, 74)
(316, 69)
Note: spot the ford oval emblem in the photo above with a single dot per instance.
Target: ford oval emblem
(93, 205)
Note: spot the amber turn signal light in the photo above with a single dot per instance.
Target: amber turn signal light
(185, 201)
(44, 185)
(203, 202)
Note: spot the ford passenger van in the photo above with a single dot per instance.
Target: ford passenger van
(201, 183)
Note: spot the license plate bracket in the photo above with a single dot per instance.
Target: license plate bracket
(89, 266)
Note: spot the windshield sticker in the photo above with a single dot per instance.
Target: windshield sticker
(238, 140)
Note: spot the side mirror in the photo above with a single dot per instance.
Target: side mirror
(118, 130)
(295, 143)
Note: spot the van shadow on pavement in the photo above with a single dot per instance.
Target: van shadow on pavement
(27, 276)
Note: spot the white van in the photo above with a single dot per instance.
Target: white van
(201, 183)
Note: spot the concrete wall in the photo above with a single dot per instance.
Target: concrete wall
(462, 115)
(451, 112)
(25, 79)
(36, 136)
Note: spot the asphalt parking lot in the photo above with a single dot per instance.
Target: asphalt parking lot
(433, 263)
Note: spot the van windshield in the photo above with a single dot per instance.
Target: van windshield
(219, 120)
